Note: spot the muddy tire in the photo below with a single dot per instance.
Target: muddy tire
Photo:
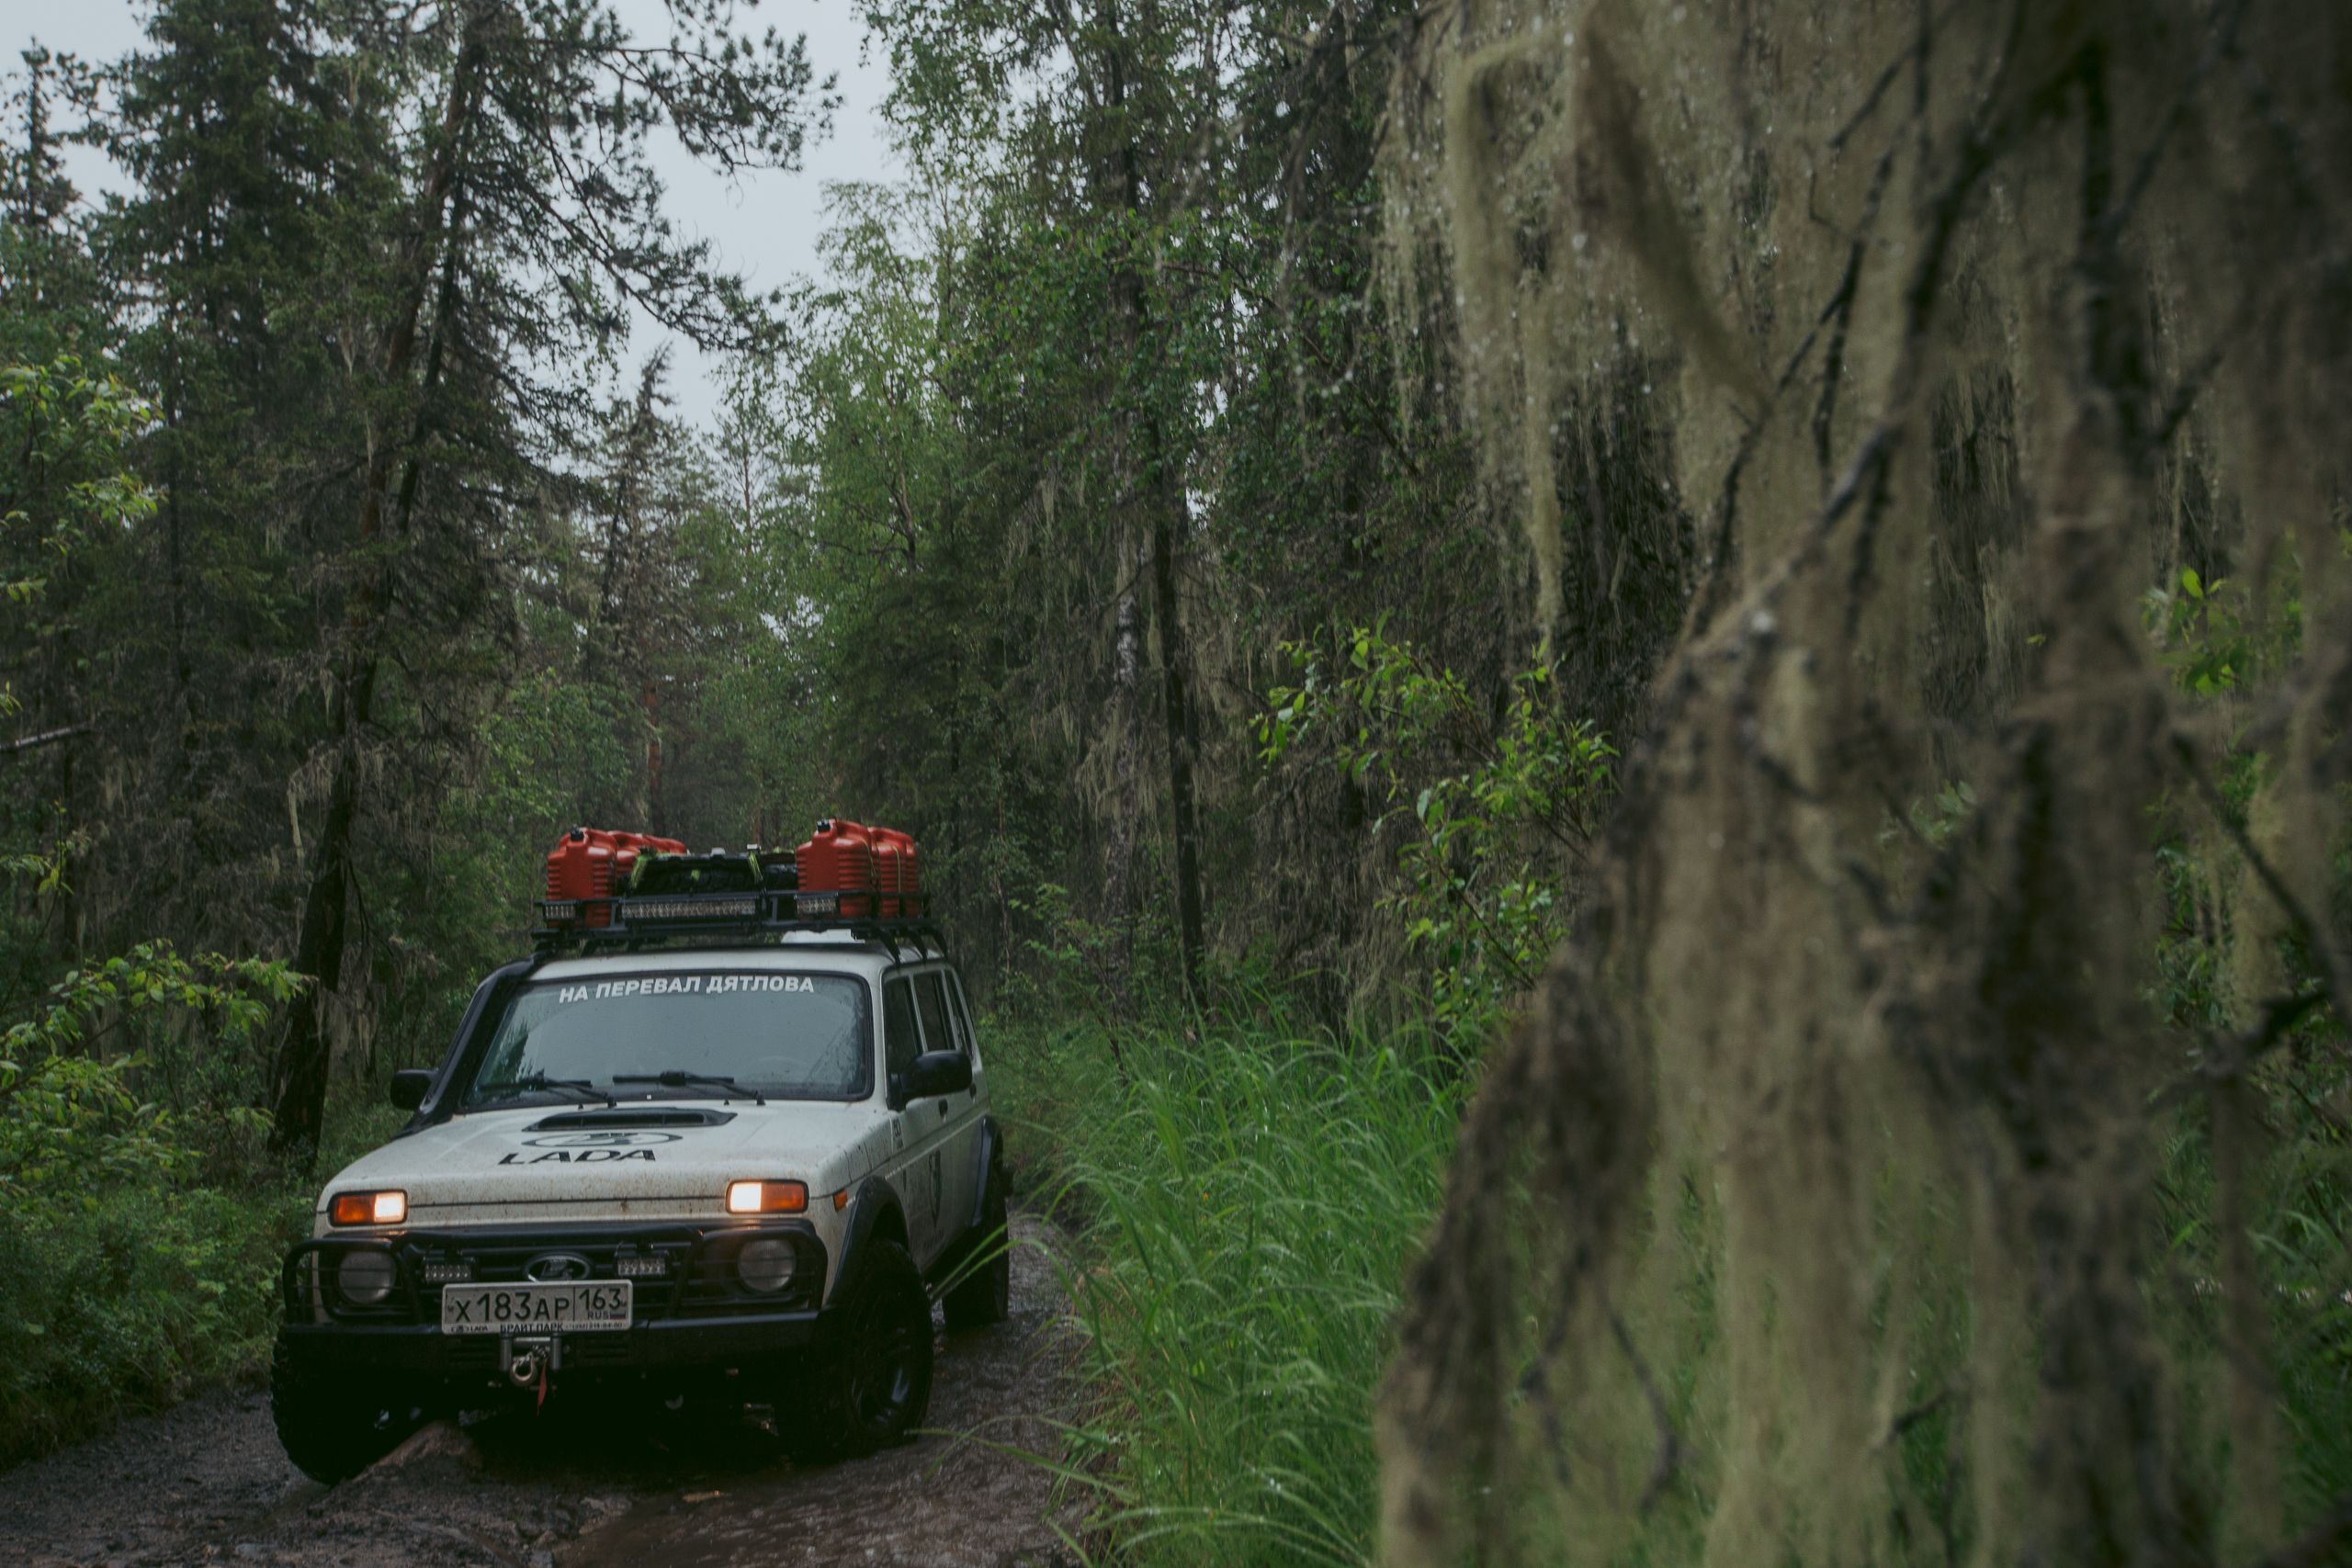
(984, 1295)
(333, 1427)
(874, 1387)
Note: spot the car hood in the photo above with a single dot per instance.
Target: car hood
(664, 1160)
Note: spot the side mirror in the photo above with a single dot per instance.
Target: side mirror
(411, 1085)
(938, 1072)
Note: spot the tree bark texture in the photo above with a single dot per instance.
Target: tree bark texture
(1155, 477)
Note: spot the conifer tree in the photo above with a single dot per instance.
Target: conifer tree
(533, 229)
(260, 138)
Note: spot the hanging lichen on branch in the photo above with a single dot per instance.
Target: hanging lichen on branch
(1851, 1127)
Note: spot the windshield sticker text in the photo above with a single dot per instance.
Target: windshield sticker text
(685, 984)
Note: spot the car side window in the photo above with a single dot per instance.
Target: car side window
(932, 996)
(900, 1041)
(963, 1018)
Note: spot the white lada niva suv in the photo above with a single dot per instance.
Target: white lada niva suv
(739, 1168)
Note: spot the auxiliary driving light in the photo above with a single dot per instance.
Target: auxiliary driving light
(367, 1209)
(766, 1264)
(699, 908)
(640, 1266)
(455, 1273)
(767, 1197)
(364, 1279)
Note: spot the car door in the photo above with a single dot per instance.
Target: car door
(970, 1039)
(957, 1114)
(963, 1153)
(916, 1153)
(941, 1115)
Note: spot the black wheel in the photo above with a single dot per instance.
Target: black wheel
(985, 1294)
(875, 1387)
(332, 1427)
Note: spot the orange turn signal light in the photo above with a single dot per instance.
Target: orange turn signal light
(367, 1209)
(766, 1197)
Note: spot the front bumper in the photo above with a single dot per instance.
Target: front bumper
(693, 1317)
(715, 1345)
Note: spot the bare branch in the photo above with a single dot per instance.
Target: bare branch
(49, 737)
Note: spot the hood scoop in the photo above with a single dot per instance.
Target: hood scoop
(599, 1120)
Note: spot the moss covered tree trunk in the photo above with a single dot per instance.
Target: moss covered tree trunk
(1154, 483)
(1872, 1036)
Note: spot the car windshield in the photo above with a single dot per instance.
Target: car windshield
(784, 1036)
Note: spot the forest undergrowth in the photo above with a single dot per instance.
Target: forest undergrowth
(131, 1289)
(1234, 1279)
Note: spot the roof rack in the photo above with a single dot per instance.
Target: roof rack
(587, 924)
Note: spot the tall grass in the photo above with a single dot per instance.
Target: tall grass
(1248, 1197)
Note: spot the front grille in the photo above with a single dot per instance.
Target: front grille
(700, 1280)
(469, 1355)
(587, 1350)
(507, 1260)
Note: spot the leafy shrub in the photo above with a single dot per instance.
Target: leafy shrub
(1495, 806)
(1075, 966)
(128, 1278)
(131, 1299)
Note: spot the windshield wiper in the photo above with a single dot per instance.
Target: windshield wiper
(678, 1077)
(534, 1082)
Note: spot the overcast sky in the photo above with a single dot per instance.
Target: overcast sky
(765, 225)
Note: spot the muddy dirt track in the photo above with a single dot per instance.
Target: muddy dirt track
(593, 1487)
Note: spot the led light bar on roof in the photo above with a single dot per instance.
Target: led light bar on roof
(706, 907)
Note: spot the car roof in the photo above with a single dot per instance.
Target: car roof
(838, 951)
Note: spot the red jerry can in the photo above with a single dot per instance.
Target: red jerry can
(839, 858)
(894, 856)
(591, 862)
(890, 866)
(910, 882)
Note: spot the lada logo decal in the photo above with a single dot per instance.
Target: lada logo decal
(589, 1148)
(555, 1266)
(600, 1140)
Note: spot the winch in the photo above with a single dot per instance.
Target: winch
(527, 1359)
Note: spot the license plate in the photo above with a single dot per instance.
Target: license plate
(596, 1308)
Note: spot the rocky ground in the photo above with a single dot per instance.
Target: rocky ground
(587, 1486)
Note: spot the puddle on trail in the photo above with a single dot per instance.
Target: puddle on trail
(958, 1495)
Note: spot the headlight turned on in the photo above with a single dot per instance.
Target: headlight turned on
(766, 1263)
(365, 1277)
(767, 1197)
(367, 1209)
